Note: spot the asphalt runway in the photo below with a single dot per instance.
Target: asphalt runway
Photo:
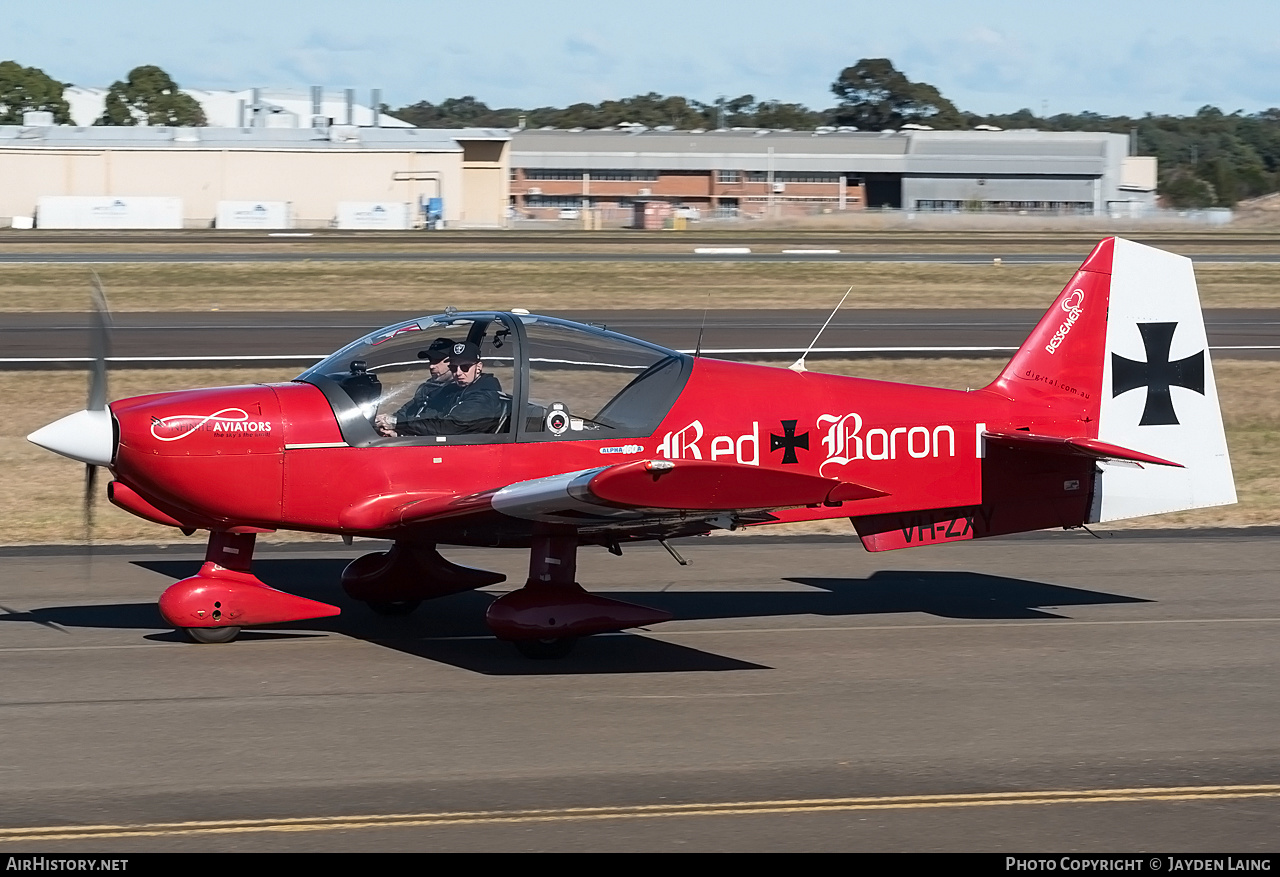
(818, 255)
(1054, 693)
(300, 338)
(561, 234)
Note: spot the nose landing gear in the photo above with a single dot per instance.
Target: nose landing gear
(215, 603)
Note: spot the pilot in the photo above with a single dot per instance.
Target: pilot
(473, 404)
(437, 357)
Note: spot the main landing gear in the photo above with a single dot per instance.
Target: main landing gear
(394, 608)
(397, 581)
(545, 618)
(215, 603)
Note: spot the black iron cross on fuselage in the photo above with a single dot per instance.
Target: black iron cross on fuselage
(1157, 374)
(789, 441)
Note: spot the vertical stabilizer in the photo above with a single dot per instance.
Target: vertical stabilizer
(1159, 393)
(1122, 357)
(1059, 366)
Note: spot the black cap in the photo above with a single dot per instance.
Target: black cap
(438, 351)
(464, 353)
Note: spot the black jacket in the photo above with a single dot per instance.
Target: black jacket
(477, 408)
(423, 400)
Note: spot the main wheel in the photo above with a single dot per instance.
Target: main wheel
(394, 607)
(543, 649)
(212, 634)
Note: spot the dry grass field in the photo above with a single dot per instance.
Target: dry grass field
(426, 287)
(868, 232)
(45, 498)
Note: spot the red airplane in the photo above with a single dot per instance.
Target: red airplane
(550, 434)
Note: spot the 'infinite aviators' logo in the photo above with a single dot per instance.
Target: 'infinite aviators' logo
(224, 422)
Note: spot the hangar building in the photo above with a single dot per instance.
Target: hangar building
(777, 173)
(317, 173)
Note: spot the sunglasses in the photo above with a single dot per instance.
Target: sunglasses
(461, 367)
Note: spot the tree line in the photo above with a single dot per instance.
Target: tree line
(1208, 159)
(147, 96)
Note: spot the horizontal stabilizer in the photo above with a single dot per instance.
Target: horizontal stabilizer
(1077, 446)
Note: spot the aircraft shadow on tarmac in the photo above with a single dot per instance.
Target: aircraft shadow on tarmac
(451, 630)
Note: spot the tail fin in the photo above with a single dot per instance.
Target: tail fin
(1122, 357)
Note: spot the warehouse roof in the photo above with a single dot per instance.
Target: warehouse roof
(929, 152)
(337, 137)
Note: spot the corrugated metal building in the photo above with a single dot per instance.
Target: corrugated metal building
(313, 169)
(782, 172)
(256, 107)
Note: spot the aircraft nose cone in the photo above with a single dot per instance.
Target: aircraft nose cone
(86, 436)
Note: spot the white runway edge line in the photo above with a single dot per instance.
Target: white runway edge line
(641, 811)
(810, 252)
(790, 350)
(722, 251)
(124, 360)
(314, 357)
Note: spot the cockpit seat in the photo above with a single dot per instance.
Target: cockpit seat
(504, 419)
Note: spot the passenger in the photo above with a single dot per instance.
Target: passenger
(437, 357)
(474, 405)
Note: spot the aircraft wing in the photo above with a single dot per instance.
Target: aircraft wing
(627, 495)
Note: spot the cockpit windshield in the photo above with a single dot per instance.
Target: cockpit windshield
(494, 377)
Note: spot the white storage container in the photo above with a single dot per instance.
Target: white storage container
(91, 211)
(254, 214)
(374, 214)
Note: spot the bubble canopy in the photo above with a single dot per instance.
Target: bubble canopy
(538, 379)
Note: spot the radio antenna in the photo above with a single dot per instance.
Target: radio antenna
(697, 351)
(798, 365)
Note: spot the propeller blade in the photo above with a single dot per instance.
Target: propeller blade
(90, 487)
(99, 344)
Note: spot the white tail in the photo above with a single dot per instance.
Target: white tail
(1159, 395)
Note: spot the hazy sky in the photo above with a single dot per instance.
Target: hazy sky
(1108, 56)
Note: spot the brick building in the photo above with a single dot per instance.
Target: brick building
(783, 173)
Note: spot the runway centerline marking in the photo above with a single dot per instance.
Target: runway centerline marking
(641, 811)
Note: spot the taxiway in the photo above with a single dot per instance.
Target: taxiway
(810, 696)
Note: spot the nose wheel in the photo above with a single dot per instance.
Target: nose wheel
(213, 605)
(212, 634)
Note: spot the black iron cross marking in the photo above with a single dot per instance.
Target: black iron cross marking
(790, 441)
(1157, 374)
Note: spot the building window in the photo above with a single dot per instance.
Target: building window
(1074, 208)
(794, 199)
(794, 177)
(605, 174)
(728, 176)
(559, 201)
